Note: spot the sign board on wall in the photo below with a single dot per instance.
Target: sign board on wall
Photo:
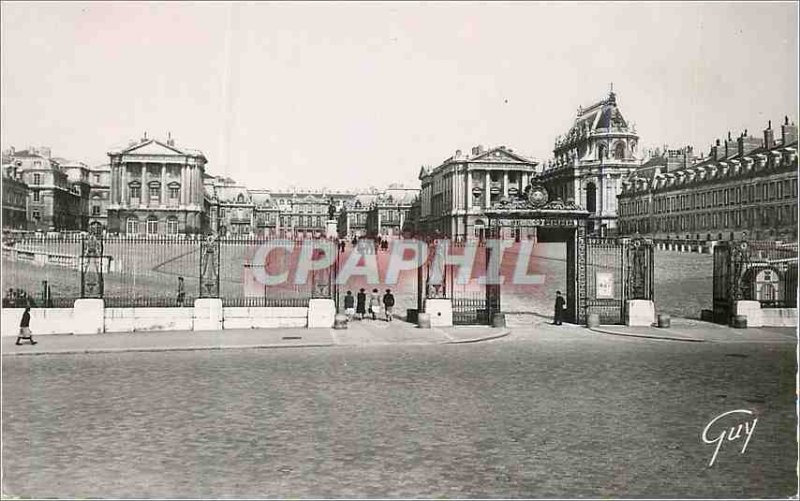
(605, 284)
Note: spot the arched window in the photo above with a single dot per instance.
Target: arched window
(240, 198)
(132, 226)
(591, 198)
(172, 225)
(619, 150)
(152, 225)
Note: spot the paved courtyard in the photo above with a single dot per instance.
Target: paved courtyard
(543, 412)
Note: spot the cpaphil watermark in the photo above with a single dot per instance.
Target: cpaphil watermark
(493, 262)
(731, 434)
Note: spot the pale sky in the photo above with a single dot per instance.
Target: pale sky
(348, 95)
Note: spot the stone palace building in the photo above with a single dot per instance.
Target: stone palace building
(591, 161)
(745, 188)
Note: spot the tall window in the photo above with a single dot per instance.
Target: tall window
(36, 215)
(152, 225)
(136, 190)
(155, 192)
(37, 179)
(132, 226)
(36, 196)
(95, 210)
(172, 226)
(174, 191)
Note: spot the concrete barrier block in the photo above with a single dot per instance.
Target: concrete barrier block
(88, 316)
(321, 313)
(751, 310)
(440, 311)
(207, 314)
(640, 313)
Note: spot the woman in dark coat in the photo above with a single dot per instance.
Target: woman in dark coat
(361, 304)
(24, 327)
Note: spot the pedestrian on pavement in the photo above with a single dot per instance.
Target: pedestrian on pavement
(24, 327)
(374, 304)
(388, 304)
(361, 304)
(559, 308)
(349, 305)
(181, 291)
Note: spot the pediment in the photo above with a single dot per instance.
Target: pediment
(500, 155)
(153, 147)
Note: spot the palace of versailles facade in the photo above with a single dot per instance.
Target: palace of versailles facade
(154, 187)
(745, 188)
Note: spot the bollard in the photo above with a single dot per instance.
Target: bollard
(499, 320)
(664, 321)
(340, 321)
(593, 320)
(424, 320)
(739, 322)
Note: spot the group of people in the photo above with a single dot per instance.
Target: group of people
(357, 306)
(16, 298)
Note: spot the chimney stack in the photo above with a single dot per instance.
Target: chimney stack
(788, 132)
(715, 151)
(769, 136)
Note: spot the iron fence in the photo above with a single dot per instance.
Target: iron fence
(470, 308)
(763, 271)
(146, 271)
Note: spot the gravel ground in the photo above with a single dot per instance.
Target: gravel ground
(570, 414)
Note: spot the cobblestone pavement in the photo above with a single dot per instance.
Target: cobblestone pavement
(573, 414)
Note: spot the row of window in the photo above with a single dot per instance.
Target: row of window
(154, 192)
(150, 227)
(758, 192)
(764, 217)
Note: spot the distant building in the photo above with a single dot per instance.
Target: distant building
(591, 160)
(388, 212)
(99, 197)
(746, 187)
(15, 199)
(55, 193)
(156, 189)
(455, 194)
(352, 220)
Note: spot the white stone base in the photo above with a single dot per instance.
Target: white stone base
(207, 314)
(265, 317)
(321, 313)
(149, 319)
(441, 312)
(779, 317)
(331, 229)
(751, 310)
(43, 321)
(88, 316)
(640, 313)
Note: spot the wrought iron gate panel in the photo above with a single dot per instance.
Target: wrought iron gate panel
(92, 285)
(470, 308)
(639, 272)
(209, 267)
(605, 283)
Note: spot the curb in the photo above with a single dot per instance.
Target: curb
(647, 336)
(502, 333)
(165, 349)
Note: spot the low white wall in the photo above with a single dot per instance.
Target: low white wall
(148, 319)
(264, 318)
(779, 317)
(43, 321)
(441, 312)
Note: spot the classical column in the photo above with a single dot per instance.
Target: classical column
(163, 183)
(378, 212)
(487, 196)
(126, 200)
(468, 174)
(145, 194)
(505, 183)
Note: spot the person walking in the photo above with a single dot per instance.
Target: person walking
(361, 304)
(24, 327)
(559, 308)
(181, 292)
(374, 304)
(349, 305)
(388, 304)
